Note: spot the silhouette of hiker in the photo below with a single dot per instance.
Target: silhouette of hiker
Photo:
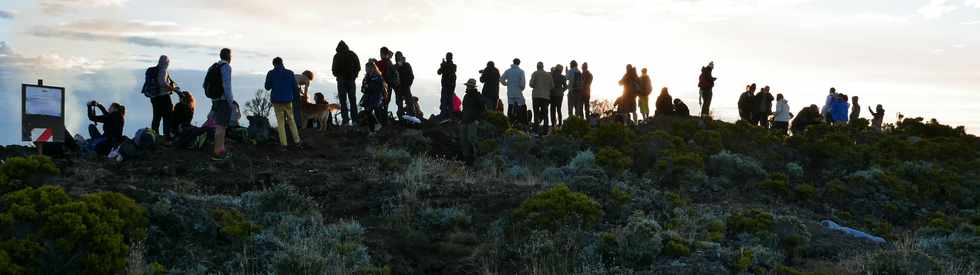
(346, 67)
(490, 77)
(447, 69)
(706, 83)
(406, 77)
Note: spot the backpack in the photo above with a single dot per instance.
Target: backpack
(145, 138)
(577, 82)
(151, 85)
(214, 86)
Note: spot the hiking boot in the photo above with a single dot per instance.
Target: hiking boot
(222, 157)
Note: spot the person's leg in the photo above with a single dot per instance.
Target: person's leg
(706, 106)
(297, 115)
(93, 131)
(342, 98)
(166, 106)
(157, 105)
(292, 126)
(399, 103)
(558, 101)
(571, 103)
(219, 141)
(282, 116)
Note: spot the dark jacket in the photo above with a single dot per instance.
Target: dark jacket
(182, 115)
(745, 104)
(680, 109)
(473, 107)
(665, 105)
(561, 84)
(405, 75)
(448, 72)
(373, 87)
(389, 72)
(706, 80)
(346, 66)
(806, 117)
(586, 83)
(113, 124)
(282, 83)
(764, 100)
(490, 77)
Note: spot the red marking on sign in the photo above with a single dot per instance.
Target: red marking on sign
(45, 136)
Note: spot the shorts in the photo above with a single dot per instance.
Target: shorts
(221, 111)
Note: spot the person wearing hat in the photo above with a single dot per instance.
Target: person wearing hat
(390, 75)
(473, 110)
(403, 93)
(706, 82)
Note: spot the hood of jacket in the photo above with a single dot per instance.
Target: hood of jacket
(342, 47)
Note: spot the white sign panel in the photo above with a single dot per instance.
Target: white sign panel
(43, 101)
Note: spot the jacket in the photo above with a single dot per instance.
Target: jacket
(405, 75)
(647, 85)
(838, 110)
(282, 83)
(586, 84)
(828, 104)
(389, 73)
(473, 107)
(346, 66)
(228, 96)
(373, 87)
(765, 102)
(681, 109)
(782, 111)
(855, 112)
(448, 72)
(706, 81)
(515, 81)
(745, 104)
(561, 84)
(541, 84)
(491, 83)
(665, 105)
(113, 124)
(575, 81)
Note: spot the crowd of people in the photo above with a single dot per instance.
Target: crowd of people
(384, 79)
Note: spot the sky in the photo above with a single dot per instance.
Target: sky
(916, 57)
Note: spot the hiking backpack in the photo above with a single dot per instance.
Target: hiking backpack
(151, 85)
(214, 86)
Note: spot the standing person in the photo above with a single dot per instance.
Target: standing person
(473, 110)
(346, 67)
(745, 103)
(515, 81)
(764, 99)
(706, 83)
(665, 104)
(782, 115)
(645, 91)
(541, 84)
(113, 121)
(490, 77)
(373, 87)
(631, 87)
(839, 108)
(158, 86)
(877, 116)
(575, 83)
(855, 109)
(403, 92)
(303, 82)
(217, 86)
(282, 84)
(390, 75)
(557, 94)
(828, 104)
(586, 95)
(680, 109)
(447, 69)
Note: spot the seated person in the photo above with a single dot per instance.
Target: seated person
(680, 109)
(113, 121)
(183, 113)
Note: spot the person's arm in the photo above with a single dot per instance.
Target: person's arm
(226, 81)
(410, 74)
(295, 86)
(521, 79)
(268, 81)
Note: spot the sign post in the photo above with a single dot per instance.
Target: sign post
(42, 113)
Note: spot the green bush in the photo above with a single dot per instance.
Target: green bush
(611, 135)
(639, 242)
(805, 192)
(675, 246)
(556, 207)
(87, 235)
(575, 127)
(901, 262)
(750, 221)
(614, 161)
(29, 171)
(233, 223)
(710, 141)
(499, 121)
(777, 182)
(734, 166)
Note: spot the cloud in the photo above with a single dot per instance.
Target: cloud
(62, 6)
(936, 9)
(142, 33)
(972, 3)
(52, 62)
(974, 22)
(7, 14)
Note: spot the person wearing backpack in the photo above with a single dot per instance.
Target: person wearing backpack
(373, 88)
(586, 96)
(541, 84)
(645, 91)
(158, 86)
(575, 83)
(346, 67)
(706, 83)
(447, 69)
(557, 94)
(515, 80)
(217, 87)
(282, 84)
(490, 77)
(403, 92)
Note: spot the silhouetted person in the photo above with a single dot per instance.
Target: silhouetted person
(557, 94)
(586, 96)
(764, 100)
(447, 69)
(839, 109)
(406, 77)
(515, 81)
(575, 87)
(346, 67)
(473, 110)
(390, 74)
(878, 115)
(490, 77)
(158, 86)
(303, 82)
(665, 103)
(373, 87)
(681, 109)
(644, 97)
(541, 84)
(745, 104)
(855, 109)
(183, 112)
(804, 118)
(782, 115)
(281, 83)
(218, 80)
(631, 87)
(706, 83)
(828, 104)
(113, 121)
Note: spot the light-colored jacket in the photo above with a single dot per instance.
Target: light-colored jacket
(782, 111)
(541, 84)
(515, 81)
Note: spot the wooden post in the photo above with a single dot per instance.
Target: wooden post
(40, 82)
(40, 145)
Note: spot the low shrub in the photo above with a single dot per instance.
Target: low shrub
(556, 207)
(393, 159)
(611, 135)
(675, 245)
(735, 166)
(233, 223)
(18, 172)
(805, 192)
(901, 262)
(575, 127)
(499, 121)
(614, 161)
(442, 218)
(777, 183)
(749, 221)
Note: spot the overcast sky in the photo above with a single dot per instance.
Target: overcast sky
(918, 57)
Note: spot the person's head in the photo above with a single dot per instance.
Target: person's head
(540, 65)
(629, 67)
(490, 64)
(854, 99)
(517, 61)
(399, 57)
(559, 68)
(880, 108)
(711, 64)
(277, 62)
(371, 68)
(385, 53)
(753, 87)
(664, 91)
(573, 64)
(843, 98)
(116, 107)
(814, 107)
(644, 71)
(833, 90)
(585, 66)
(164, 61)
(677, 101)
(225, 55)
(449, 56)
(779, 96)
(470, 84)
(308, 74)
(318, 98)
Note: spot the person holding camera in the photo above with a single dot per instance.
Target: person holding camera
(448, 72)
(490, 77)
(158, 86)
(113, 121)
